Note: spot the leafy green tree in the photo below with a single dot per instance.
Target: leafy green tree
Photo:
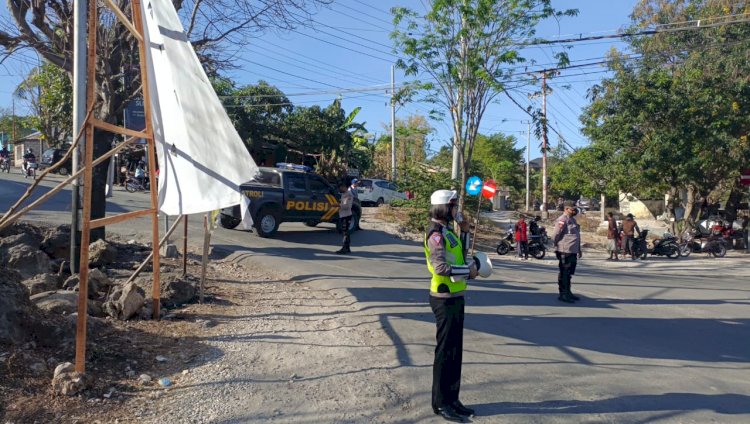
(412, 138)
(463, 49)
(257, 111)
(677, 119)
(496, 157)
(48, 92)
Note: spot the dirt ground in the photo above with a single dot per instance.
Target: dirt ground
(118, 354)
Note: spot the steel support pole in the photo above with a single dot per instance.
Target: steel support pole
(80, 19)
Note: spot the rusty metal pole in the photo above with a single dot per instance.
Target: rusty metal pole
(83, 284)
(156, 286)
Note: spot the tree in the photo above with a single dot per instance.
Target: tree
(464, 48)
(677, 119)
(496, 157)
(48, 91)
(411, 145)
(216, 28)
(23, 125)
(257, 111)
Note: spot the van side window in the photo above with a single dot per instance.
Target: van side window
(319, 185)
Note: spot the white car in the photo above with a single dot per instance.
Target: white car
(378, 192)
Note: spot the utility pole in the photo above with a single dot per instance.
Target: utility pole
(393, 123)
(80, 20)
(544, 145)
(528, 162)
(13, 97)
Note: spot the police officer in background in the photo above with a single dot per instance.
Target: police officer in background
(567, 240)
(345, 216)
(449, 269)
(353, 189)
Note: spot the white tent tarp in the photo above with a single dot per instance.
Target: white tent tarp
(202, 160)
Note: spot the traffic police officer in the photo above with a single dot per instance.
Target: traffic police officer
(449, 269)
(567, 240)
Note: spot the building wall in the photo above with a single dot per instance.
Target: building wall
(20, 146)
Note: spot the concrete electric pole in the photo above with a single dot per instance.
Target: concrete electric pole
(393, 123)
(545, 143)
(528, 162)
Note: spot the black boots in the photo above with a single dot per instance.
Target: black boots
(343, 251)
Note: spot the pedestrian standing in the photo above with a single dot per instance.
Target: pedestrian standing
(567, 241)
(629, 229)
(612, 236)
(345, 217)
(353, 189)
(522, 238)
(449, 269)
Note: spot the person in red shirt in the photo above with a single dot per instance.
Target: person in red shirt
(522, 238)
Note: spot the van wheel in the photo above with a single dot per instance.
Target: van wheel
(63, 170)
(267, 223)
(380, 201)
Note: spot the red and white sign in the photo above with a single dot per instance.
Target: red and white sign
(745, 177)
(489, 189)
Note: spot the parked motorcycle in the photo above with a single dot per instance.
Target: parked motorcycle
(133, 184)
(536, 247)
(715, 246)
(507, 244)
(665, 246)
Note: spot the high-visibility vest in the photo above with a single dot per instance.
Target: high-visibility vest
(454, 255)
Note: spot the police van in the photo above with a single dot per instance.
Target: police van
(289, 193)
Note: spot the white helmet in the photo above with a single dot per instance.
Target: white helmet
(443, 197)
(484, 264)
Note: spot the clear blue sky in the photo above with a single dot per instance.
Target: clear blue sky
(350, 50)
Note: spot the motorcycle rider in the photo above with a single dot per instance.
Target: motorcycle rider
(4, 154)
(534, 228)
(140, 173)
(629, 228)
(28, 157)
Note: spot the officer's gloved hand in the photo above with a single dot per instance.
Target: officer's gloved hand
(473, 271)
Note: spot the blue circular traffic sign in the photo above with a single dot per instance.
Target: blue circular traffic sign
(474, 185)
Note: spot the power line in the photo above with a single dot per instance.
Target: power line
(343, 47)
(286, 73)
(312, 58)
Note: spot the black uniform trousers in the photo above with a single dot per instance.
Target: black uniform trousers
(446, 370)
(345, 223)
(566, 262)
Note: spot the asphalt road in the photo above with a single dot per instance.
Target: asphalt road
(651, 341)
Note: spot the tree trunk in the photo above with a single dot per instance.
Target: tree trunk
(102, 144)
(673, 195)
(733, 202)
(688, 216)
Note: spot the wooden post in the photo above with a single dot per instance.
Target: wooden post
(83, 285)
(156, 286)
(204, 262)
(184, 244)
(476, 225)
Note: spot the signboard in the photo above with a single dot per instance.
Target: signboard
(473, 186)
(745, 177)
(135, 117)
(489, 189)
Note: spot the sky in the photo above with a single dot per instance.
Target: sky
(349, 54)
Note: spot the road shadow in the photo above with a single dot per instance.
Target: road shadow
(688, 339)
(730, 404)
(296, 245)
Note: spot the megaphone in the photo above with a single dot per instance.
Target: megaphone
(484, 264)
